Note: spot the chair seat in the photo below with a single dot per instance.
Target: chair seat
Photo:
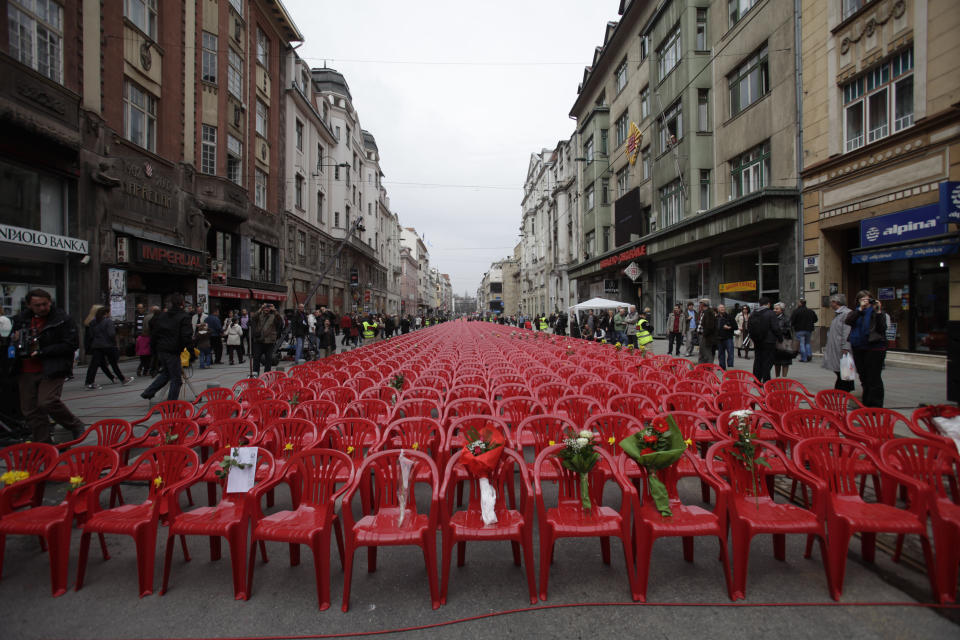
(766, 515)
(868, 516)
(207, 520)
(949, 511)
(125, 519)
(33, 521)
(469, 525)
(381, 529)
(299, 526)
(569, 520)
(687, 520)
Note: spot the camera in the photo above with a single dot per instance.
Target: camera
(26, 344)
(872, 301)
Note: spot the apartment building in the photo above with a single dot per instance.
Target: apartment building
(881, 163)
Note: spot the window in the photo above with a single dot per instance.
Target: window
(348, 137)
(645, 163)
(263, 49)
(336, 172)
(208, 65)
(623, 126)
(260, 188)
(336, 218)
(704, 189)
(738, 8)
(703, 109)
(671, 203)
(237, 6)
(319, 158)
(749, 82)
(262, 114)
(36, 36)
(669, 53)
(850, 7)
(139, 116)
(263, 262)
(601, 100)
(591, 238)
(234, 74)
(606, 239)
(701, 29)
(870, 101)
(298, 192)
(671, 126)
(644, 103)
(320, 207)
(605, 191)
(588, 150)
(750, 171)
(603, 141)
(142, 13)
(620, 76)
(234, 160)
(588, 194)
(301, 247)
(208, 150)
(644, 47)
(298, 135)
(622, 177)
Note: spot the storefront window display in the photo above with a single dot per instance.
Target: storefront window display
(750, 275)
(914, 294)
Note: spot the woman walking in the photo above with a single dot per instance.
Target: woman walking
(782, 358)
(103, 347)
(234, 333)
(740, 337)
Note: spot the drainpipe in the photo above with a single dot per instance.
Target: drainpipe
(797, 45)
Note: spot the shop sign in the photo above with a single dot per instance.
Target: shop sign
(168, 256)
(885, 293)
(950, 201)
(632, 271)
(259, 294)
(33, 238)
(921, 251)
(236, 293)
(811, 264)
(743, 285)
(902, 226)
(624, 256)
(611, 286)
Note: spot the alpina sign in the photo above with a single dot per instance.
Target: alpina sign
(34, 238)
(902, 226)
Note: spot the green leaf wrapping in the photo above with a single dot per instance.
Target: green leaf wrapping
(633, 444)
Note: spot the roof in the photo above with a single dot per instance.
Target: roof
(282, 20)
(327, 79)
(369, 142)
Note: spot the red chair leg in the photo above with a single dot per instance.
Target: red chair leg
(146, 541)
(167, 558)
(605, 549)
(725, 559)
(515, 546)
(294, 554)
(429, 547)
(741, 560)
(948, 558)
(251, 563)
(103, 546)
(347, 578)
(528, 561)
(838, 542)
(321, 569)
(371, 559)
(215, 548)
(898, 550)
(546, 557)
(643, 552)
(461, 553)
(238, 560)
(446, 549)
(183, 546)
(868, 546)
(82, 561)
(780, 546)
(59, 543)
(338, 534)
(688, 548)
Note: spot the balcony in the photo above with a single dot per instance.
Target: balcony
(223, 198)
(36, 103)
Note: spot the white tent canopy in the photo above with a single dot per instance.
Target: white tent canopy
(598, 303)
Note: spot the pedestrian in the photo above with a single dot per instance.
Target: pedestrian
(139, 317)
(405, 324)
(46, 338)
(644, 334)
(327, 338)
(103, 348)
(620, 326)
(215, 326)
(676, 325)
(764, 331)
(741, 335)
(267, 327)
(838, 341)
(725, 329)
(170, 333)
(707, 330)
(868, 342)
(784, 354)
(202, 340)
(345, 325)
(245, 326)
(142, 349)
(803, 320)
(691, 338)
(234, 341)
(299, 327)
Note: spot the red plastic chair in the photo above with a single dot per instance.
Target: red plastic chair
(216, 393)
(360, 384)
(701, 387)
(873, 425)
(509, 390)
(266, 411)
(600, 391)
(417, 407)
(319, 385)
(342, 396)
(165, 410)
(689, 402)
(932, 465)
(461, 526)
(611, 428)
(748, 387)
(216, 410)
(922, 424)
(801, 424)
(470, 379)
(417, 433)
(466, 407)
(549, 394)
(568, 519)
(167, 467)
(93, 466)
(581, 378)
(242, 385)
(577, 409)
(313, 476)
(686, 521)
(317, 411)
(621, 380)
(785, 384)
(294, 394)
(639, 406)
(466, 391)
(426, 393)
(113, 433)
(837, 401)
(287, 436)
(369, 408)
(36, 458)
(735, 401)
(515, 410)
(540, 432)
(752, 510)
(229, 518)
(252, 395)
(833, 467)
(270, 377)
(379, 474)
(385, 393)
(741, 376)
(777, 403)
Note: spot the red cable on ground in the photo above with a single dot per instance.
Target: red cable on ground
(495, 614)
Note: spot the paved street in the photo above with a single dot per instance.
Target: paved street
(283, 602)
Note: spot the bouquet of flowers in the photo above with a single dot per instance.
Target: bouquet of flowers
(397, 382)
(745, 451)
(656, 447)
(578, 455)
(482, 452)
(14, 476)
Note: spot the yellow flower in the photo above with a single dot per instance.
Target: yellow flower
(157, 482)
(13, 476)
(76, 481)
(611, 440)
(288, 446)
(350, 449)
(551, 442)
(416, 445)
(688, 442)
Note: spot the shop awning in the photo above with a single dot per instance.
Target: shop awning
(222, 291)
(274, 296)
(944, 247)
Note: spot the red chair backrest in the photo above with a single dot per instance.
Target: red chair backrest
(785, 384)
(318, 471)
(800, 424)
(181, 432)
(762, 426)
(317, 411)
(286, 436)
(251, 395)
(246, 383)
(266, 411)
(548, 394)
(873, 425)
(234, 432)
(414, 407)
(353, 436)
(418, 433)
(936, 464)
(217, 393)
(612, 428)
(743, 481)
(514, 410)
(220, 409)
(466, 407)
(428, 393)
(734, 401)
(509, 390)
(370, 408)
(461, 391)
(836, 461)
(634, 404)
(340, 395)
(386, 393)
(578, 408)
(691, 402)
(112, 432)
(689, 424)
(169, 464)
(456, 433)
(544, 430)
(779, 402)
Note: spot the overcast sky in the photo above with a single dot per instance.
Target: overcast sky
(458, 95)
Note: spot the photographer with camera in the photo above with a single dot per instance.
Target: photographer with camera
(45, 338)
(267, 327)
(868, 331)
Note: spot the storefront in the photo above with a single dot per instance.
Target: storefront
(32, 259)
(224, 299)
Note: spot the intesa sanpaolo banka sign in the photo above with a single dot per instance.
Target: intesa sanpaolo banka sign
(40, 239)
(902, 226)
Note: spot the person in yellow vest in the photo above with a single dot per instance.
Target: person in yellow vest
(542, 322)
(644, 337)
(369, 329)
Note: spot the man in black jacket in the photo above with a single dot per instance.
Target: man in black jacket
(764, 329)
(170, 334)
(803, 320)
(48, 337)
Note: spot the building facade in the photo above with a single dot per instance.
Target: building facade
(881, 162)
